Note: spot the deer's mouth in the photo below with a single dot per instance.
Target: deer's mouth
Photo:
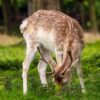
(58, 79)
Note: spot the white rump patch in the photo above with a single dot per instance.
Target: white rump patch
(23, 26)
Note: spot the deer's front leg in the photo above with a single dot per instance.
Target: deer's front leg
(59, 56)
(42, 72)
(42, 66)
(29, 56)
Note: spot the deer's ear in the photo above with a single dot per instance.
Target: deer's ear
(62, 75)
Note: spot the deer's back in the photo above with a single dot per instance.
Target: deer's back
(61, 24)
(51, 27)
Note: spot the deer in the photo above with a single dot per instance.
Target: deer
(51, 31)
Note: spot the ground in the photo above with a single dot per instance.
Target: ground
(12, 53)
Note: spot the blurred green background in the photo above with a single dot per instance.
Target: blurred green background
(12, 50)
(12, 12)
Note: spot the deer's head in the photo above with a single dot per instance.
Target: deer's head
(61, 74)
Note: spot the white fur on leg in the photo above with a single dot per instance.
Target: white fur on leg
(42, 65)
(80, 75)
(59, 55)
(26, 64)
(24, 75)
(42, 72)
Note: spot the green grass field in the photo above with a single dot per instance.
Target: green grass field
(11, 58)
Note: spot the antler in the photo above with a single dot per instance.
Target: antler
(66, 68)
(68, 52)
(63, 67)
(51, 62)
(42, 55)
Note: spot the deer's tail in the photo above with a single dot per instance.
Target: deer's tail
(23, 26)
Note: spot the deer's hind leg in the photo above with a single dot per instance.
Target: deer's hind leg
(30, 53)
(26, 63)
(80, 75)
(76, 58)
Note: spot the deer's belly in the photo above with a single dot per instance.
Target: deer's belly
(48, 44)
(47, 40)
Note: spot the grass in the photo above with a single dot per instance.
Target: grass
(11, 58)
(6, 40)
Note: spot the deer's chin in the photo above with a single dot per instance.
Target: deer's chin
(64, 80)
(57, 82)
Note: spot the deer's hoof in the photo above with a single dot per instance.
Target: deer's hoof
(44, 85)
(84, 91)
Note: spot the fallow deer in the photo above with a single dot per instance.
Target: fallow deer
(52, 31)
